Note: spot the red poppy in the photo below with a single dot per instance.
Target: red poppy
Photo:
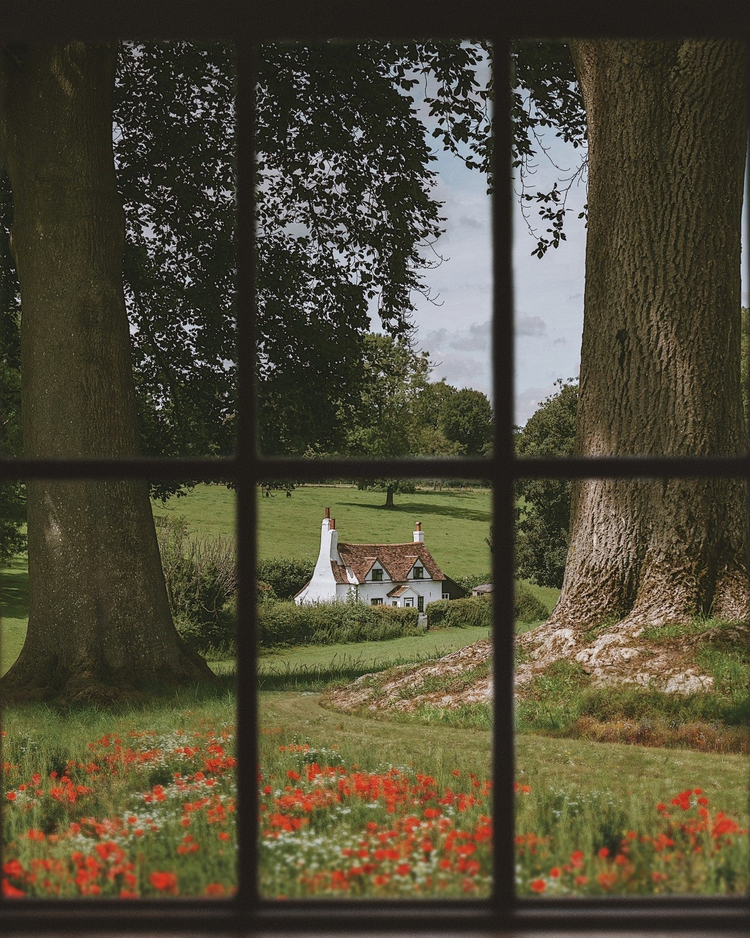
(163, 881)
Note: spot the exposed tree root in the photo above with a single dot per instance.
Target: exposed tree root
(622, 653)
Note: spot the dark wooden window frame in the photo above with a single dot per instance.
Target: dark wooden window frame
(246, 23)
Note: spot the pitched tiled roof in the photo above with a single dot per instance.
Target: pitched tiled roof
(396, 559)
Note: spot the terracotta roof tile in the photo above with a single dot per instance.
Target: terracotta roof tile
(339, 572)
(396, 559)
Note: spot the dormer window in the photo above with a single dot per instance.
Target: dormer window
(377, 576)
(418, 573)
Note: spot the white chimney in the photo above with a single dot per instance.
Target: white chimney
(334, 541)
(419, 534)
(322, 586)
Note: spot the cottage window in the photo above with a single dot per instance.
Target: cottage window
(377, 576)
(376, 602)
(418, 573)
(407, 20)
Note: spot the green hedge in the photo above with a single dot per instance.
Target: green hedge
(526, 606)
(281, 624)
(201, 578)
(286, 576)
(459, 613)
(476, 611)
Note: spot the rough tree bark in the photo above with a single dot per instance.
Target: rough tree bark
(660, 359)
(99, 619)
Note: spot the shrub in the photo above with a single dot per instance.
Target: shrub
(284, 623)
(285, 575)
(471, 612)
(543, 520)
(476, 611)
(526, 606)
(264, 592)
(437, 611)
(201, 579)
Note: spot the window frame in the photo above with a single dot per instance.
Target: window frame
(246, 23)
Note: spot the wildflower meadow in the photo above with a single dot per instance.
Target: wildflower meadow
(151, 812)
(147, 814)
(331, 828)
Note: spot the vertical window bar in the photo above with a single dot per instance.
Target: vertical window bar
(246, 463)
(502, 477)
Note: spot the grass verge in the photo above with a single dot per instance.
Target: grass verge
(314, 668)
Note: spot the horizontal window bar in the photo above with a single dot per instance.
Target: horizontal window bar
(668, 916)
(389, 19)
(583, 467)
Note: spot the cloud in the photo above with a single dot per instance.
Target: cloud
(528, 401)
(533, 326)
(465, 221)
(465, 371)
(476, 336)
(560, 340)
(435, 339)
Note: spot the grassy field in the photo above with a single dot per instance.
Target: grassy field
(14, 608)
(455, 523)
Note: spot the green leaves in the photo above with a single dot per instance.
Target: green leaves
(542, 523)
(174, 152)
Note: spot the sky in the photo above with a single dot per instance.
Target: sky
(455, 329)
(548, 292)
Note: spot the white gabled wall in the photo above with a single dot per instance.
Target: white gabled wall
(429, 589)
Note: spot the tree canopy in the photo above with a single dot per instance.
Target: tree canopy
(401, 413)
(543, 518)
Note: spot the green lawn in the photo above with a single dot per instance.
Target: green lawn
(455, 523)
(314, 667)
(14, 607)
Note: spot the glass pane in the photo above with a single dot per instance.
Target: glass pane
(129, 346)
(118, 731)
(550, 179)
(374, 267)
(632, 696)
(375, 691)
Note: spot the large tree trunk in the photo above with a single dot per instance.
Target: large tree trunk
(99, 620)
(660, 360)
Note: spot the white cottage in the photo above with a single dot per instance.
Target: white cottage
(378, 574)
